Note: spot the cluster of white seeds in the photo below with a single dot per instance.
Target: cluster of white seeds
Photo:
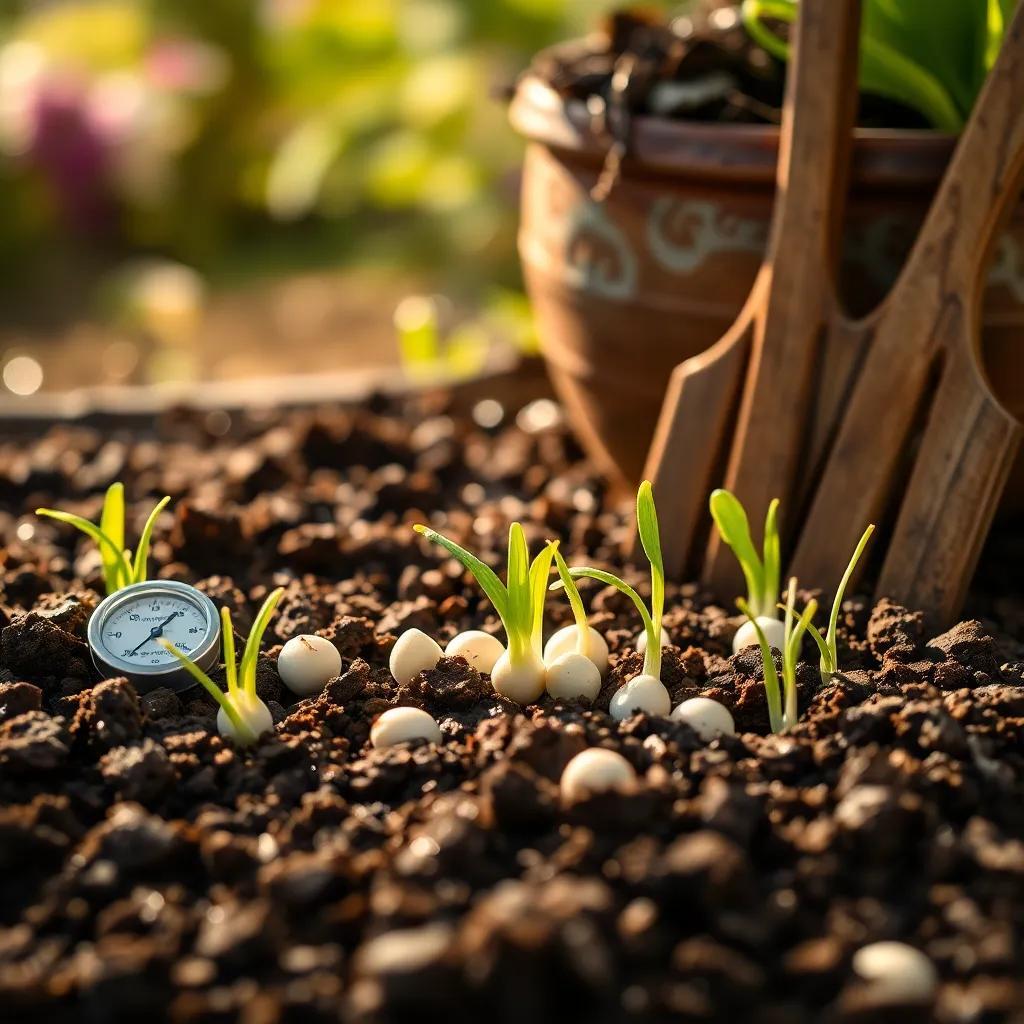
(572, 673)
(565, 671)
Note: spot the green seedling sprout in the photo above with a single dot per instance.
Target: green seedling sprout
(120, 567)
(828, 645)
(782, 707)
(243, 716)
(584, 639)
(761, 572)
(646, 691)
(519, 673)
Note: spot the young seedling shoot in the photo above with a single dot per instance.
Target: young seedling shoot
(644, 692)
(828, 646)
(519, 673)
(242, 717)
(595, 770)
(120, 567)
(575, 673)
(307, 662)
(571, 639)
(782, 709)
(400, 725)
(762, 573)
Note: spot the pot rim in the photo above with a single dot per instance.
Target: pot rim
(661, 146)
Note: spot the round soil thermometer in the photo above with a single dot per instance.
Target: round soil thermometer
(125, 630)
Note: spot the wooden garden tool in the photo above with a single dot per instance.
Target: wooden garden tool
(888, 419)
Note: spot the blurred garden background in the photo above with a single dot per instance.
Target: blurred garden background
(213, 189)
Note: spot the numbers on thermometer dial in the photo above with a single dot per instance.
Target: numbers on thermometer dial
(133, 632)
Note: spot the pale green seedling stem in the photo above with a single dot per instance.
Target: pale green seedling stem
(761, 572)
(519, 602)
(828, 646)
(241, 680)
(782, 708)
(119, 567)
(650, 539)
(579, 613)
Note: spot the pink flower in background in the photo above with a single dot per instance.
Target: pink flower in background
(67, 144)
(179, 64)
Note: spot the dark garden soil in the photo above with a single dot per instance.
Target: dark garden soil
(151, 871)
(703, 67)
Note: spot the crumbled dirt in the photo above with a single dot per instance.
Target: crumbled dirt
(151, 870)
(703, 66)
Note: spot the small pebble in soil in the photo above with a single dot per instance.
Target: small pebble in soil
(564, 641)
(641, 693)
(746, 636)
(640, 643)
(307, 662)
(480, 649)
(897, 973)
(706, 717)
(572, 676)
(595, 771)
(414, 652)
(399, 725)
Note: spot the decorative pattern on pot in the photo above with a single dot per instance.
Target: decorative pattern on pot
(683, 233)
(598, 256)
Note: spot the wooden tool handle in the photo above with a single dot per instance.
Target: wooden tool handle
(929, 327)
(772, 429)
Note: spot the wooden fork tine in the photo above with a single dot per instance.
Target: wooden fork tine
(966, 454)
(691, 445)
(774, 420)
(931, 313)
(692, 437)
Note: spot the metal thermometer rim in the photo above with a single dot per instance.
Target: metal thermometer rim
(172, 674)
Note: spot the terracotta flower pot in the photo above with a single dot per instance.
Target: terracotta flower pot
(625, 289)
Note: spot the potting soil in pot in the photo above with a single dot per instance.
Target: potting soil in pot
(153, 871)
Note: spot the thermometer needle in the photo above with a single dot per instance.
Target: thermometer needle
(155, 631)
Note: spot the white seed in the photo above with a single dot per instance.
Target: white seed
(565, 640)
(414, 652)
(641, 693)
(399, 725)
(706, 717)
(595, 771)
(571, 676)
(307, 662)
(522, 682)
(480, 649)
(253, 712)
(641, 640)
(898, 972)
(774, 631)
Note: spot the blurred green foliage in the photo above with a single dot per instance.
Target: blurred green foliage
(249, 136)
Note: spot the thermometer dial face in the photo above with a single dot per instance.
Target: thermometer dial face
(126, 629)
